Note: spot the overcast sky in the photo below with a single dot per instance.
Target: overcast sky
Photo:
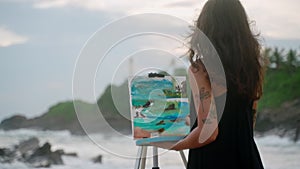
(41, 39)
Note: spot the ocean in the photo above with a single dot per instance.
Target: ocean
(120, 152)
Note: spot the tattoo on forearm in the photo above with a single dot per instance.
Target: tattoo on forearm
(213, 110)
(203, 95)
(212, 114)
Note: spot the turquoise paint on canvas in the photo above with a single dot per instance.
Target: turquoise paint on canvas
(159, 106)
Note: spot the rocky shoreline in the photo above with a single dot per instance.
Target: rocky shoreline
(32, 154)
(40, 123)
(283, 121)
(63, 117)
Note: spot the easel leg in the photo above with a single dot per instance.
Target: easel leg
(138, 158)
(140, 162)
(155, 158)
(183, 158)
(141, 158)
(144, 156)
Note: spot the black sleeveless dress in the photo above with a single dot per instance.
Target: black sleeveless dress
(234, 147)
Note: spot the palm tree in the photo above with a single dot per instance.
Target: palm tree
(277, 58)
(292, 59)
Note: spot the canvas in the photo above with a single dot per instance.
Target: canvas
(159, 106)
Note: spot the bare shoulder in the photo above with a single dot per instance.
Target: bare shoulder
(200, 76)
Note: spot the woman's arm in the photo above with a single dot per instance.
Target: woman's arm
(207, 123)
(207, 128)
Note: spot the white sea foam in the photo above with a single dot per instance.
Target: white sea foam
(276, 152)
(279, 153)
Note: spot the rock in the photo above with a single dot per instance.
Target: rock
(56, 158)
(3, 152)
(67, 119)
(71, 154)
(264, 123)
(62, 152)
(48, 121)
(43, 157)
(29, 152)
(39, 162)
(28, 146)
(44, 150)
(7, 155)
(97, 159)
(14, 122)
(283, 121)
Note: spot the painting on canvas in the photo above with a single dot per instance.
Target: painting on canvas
(159, 106)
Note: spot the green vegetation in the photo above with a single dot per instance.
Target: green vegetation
(66, 111)
(113, 100)
(280, 86)
(282, 78)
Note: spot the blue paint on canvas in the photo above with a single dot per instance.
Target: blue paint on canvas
(160, 106)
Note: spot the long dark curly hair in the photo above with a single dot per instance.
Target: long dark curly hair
(226, 25)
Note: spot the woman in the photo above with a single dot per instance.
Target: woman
(229, 143)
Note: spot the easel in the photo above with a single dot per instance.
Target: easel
(142, 152)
